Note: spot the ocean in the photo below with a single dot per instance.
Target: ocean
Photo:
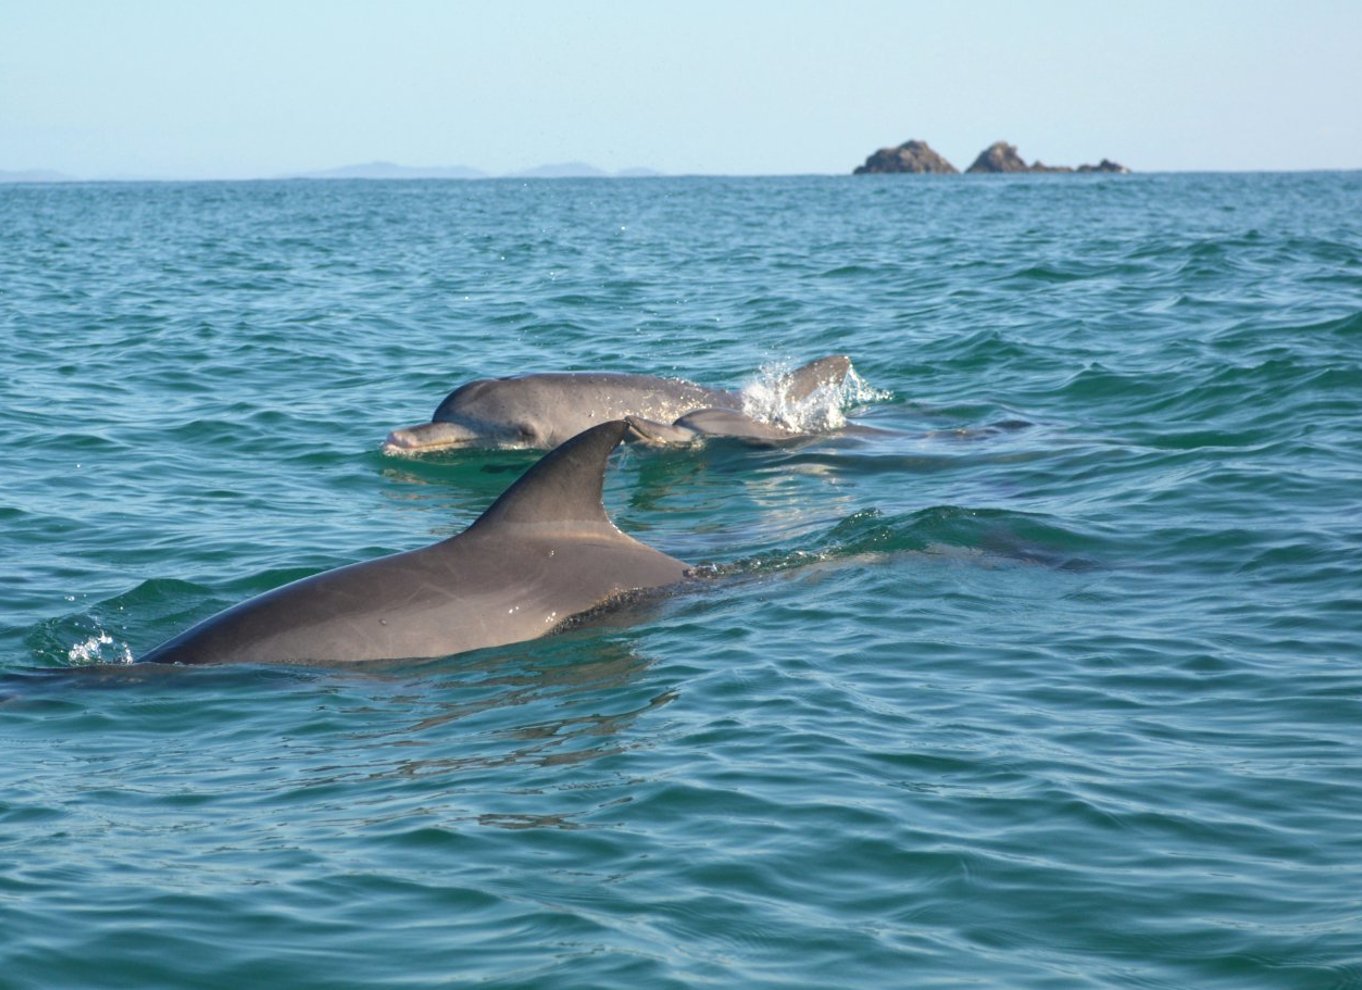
(1050, 679)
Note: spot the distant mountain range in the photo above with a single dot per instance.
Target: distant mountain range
(387, 170)
(34, 175)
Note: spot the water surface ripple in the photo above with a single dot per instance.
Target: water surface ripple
(1054, 680)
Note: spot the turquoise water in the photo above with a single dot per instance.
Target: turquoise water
(1056, 682)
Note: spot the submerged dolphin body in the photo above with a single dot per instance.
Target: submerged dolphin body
(703, 423)
(544, 552)
(543, 410)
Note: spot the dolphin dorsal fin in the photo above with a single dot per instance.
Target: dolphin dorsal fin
(564, 486)
(802, 382)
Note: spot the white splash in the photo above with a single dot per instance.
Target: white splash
(92, 651)
(821, 410)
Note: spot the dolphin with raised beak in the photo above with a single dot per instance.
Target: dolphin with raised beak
(543, 410)
(543, 553)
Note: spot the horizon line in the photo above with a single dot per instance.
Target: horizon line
(38, 176)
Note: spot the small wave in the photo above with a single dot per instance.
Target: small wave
(1347, 326)
(821, 410)
(93, 651)
(992, 536)
(1047, 273)
(99, 634)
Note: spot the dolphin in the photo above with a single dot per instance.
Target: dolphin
(543, 553)
(704, 423)
(543, 410)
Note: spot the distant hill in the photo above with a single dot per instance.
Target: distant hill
(372, 170)
(561, 170)
(34, 175)
(389, 170)
(581, 170)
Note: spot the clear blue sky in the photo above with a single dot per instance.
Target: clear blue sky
(211, 88)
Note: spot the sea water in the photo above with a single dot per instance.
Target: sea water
(1045, 672)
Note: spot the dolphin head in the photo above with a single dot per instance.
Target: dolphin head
(655, 434)
(489, 412)
(450, 435)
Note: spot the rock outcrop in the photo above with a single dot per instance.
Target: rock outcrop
(911, 156)
(998, 158)
(1002, 157)
(1105, 165)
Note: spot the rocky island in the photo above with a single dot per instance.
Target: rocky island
(999, 157)
(1002, 157)
(911, 156)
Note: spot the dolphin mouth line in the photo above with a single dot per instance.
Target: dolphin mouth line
(646, 431)
(428, 437)
(403, 447)
(395, 446)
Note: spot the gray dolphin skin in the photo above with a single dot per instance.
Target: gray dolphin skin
(703, 423)
(543, 410)
(544, 552)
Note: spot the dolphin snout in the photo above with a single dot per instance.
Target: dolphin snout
(657, 434)
(398, 440)
(426, 436)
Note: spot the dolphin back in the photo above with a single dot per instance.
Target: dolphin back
(543, 553)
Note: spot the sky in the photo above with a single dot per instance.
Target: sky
(262, 88)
